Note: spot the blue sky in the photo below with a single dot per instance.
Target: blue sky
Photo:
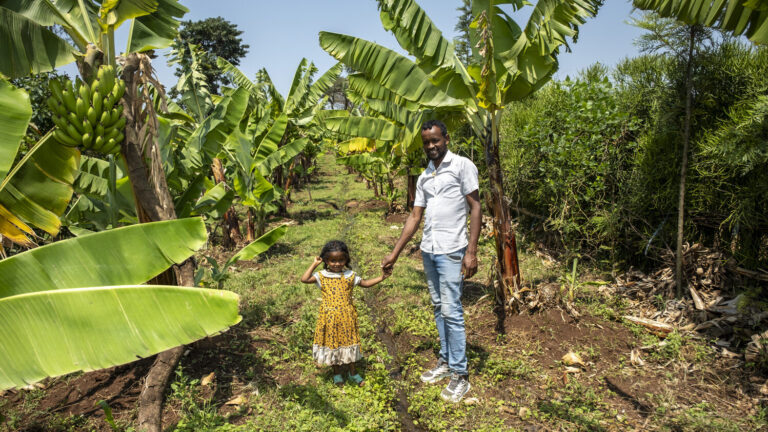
(281, 33)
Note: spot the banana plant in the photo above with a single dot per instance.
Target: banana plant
(279, 130)
(509, 63)
(740, 17)
(80, 304)
(219, 274)
(376, 165)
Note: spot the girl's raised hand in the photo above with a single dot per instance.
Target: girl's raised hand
(317, 261)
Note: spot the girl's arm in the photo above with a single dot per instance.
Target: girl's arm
(385, 273)
(307, 277)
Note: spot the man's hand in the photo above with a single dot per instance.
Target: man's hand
(388, 262)
(469, 265)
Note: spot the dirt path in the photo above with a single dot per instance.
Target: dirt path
(382, 333)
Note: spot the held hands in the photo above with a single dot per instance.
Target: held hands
(386, 272)
(388, 262)
(469, 265)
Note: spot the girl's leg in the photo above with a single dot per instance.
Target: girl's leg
(338, 370)
(354, 376)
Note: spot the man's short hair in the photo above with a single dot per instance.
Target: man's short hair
(429, 124)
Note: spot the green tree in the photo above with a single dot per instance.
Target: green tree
(37, 88)
(462, 43)
(684, 43)
(216, 37)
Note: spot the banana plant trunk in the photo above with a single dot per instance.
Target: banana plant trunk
(153, 203)
(232, 235)
(506, 247)
(411, 191)
(251, 227)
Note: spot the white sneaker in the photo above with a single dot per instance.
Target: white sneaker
(439, 372)
(456, 389)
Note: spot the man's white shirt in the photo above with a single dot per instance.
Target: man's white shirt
(442, 192)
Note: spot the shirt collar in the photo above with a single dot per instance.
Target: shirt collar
(446, 160)
(330, 274)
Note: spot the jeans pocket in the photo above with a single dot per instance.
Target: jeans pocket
(455, 257)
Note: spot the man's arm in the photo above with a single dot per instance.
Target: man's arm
(469, 264)
(409, 229)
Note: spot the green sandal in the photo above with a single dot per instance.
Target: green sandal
(338, 380)
(357, 379)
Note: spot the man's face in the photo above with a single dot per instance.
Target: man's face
(435, 144)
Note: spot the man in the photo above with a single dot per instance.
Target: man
(444, 193)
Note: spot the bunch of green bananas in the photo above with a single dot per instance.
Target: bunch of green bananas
(89, 115)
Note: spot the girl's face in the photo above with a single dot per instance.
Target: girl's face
(335, 261)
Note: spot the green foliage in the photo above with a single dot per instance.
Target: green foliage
(37, 87)
(567, 151)
(196, 412)
(216, 37)
(499, 367)
(592, 165)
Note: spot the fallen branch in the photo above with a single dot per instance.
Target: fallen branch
(659, 328)
(749, 273)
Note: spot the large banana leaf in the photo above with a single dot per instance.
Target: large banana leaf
(392, 70)
(212, 133)
(193, 86)
(360, 87)
(236, 75)
(49, 333)
(61, 309)
(29, 47)
(271, 142)
(259, 245)
(158, 29)
(214, 202)
(417, 34)
(367, 127)
(115, 12)
(123, 256)
(299, 86)
(15, 112)
(324, 83)
(747, 17)
(35, 191)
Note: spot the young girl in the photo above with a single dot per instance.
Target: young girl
(337, 342)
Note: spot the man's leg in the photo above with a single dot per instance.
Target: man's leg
(451, 310)
(433, 283)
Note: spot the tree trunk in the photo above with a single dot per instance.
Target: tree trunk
(684, 164)
(153, 203)
(411, 191)
(287, 189)
(231, 231)
(250, 237)
(506, 247)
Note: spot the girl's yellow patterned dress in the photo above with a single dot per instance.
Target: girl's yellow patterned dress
(336, 338)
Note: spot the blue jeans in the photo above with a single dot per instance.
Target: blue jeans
(445, 285)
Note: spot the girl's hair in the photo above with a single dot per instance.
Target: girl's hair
(335, 246)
